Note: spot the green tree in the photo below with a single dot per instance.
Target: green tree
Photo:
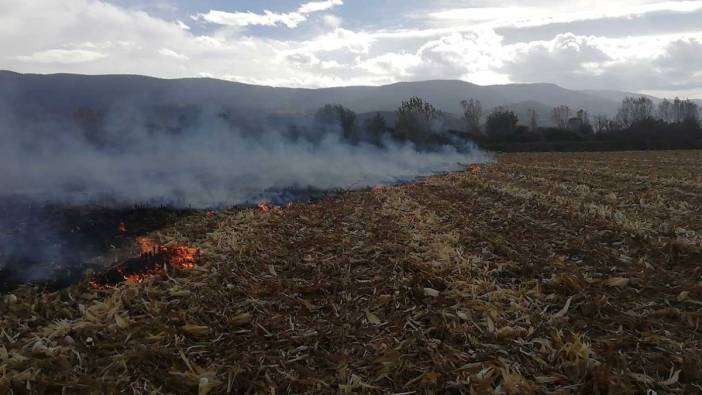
(338, 115)
(375, 128)
(414, 119)
(501, 122)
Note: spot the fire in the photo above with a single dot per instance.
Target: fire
(140, 278)
(474, 168)
(266, 206)
(183, 257)
(152, 261)
(180, 256)
(122, 228)
(146, 246)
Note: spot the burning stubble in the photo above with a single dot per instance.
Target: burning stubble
(211, 162)
(153, 260)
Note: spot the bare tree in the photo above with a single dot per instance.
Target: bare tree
(583, 116)
(665, 111)
(533, 120)
(677, 110)
(684, 111)
(601, 124)
(560, 116)
(472, 113)
(634, 109)
(692, 112)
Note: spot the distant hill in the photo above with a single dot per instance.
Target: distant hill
(64, 93)
(521, 109)
(616, 96)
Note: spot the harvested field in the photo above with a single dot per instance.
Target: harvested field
(541, 273)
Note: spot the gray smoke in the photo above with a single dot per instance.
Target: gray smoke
(53, 164)
(207, 163)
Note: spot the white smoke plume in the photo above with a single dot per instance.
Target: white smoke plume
(207, 164)
(138, 157)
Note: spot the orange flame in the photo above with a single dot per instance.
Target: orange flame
(146, 246)
(183, 257)
(266, 206)
(155, 257)
(122, 228)
(474, 168)
(180, 256)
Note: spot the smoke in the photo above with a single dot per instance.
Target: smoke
(30, 244)
(209, 161)
(208, 158)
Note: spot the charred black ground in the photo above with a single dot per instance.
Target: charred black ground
(55, 246)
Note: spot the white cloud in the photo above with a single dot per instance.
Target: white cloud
(395, 64)
(268, 18)
(65, 56)
(332, 21)
(486, 14)
(128, 41)
(652, 63)
(241, 19)
(458, 55)
(316, 6)
(171, 53)
(340, 40)
(559, 12)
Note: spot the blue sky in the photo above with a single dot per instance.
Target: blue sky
(636, 45)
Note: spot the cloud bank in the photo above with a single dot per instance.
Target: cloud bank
(268, 18)
(634, 45)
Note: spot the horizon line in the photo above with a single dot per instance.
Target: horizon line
(333, 87)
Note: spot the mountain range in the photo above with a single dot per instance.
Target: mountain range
(64, 93)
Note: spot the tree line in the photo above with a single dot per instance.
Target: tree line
(416, 121)
(638, 124)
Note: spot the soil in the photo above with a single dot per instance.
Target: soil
(541, 273)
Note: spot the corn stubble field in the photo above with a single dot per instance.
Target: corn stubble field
(541, 273)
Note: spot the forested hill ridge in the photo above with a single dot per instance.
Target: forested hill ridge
(65, 92)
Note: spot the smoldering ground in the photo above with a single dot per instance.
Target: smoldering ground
(207, 158)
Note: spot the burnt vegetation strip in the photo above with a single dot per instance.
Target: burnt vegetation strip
(152, 262)
(504, 278)
(55, 246)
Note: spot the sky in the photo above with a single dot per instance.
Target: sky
(643, 46)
